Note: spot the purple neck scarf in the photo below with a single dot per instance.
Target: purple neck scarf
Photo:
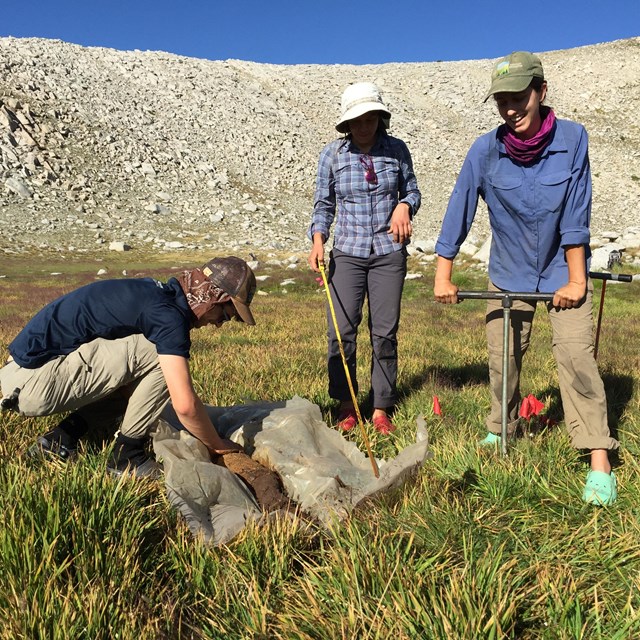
(526, 151)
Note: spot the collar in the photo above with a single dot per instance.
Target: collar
(558, 143)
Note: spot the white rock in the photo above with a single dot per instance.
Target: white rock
(468, 249)
(602, 257)
(425, 246)
(108, 154)
(147, 169)
(482, 255)
(631, 241)
(119, 246)
(19, 186)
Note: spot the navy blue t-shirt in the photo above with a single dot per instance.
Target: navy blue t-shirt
(107, 309)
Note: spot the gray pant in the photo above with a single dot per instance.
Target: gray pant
(581, 388)
(105, 381)
(381, 279)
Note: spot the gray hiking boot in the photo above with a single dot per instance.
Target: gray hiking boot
(52, 449)
(130, 456)
(148, 468)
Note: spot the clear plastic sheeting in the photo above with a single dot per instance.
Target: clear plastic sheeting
(325, 474)
(213, 501)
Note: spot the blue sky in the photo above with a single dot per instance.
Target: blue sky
(327, 31)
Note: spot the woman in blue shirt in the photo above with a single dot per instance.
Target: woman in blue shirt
(533, 173)
(366, 181)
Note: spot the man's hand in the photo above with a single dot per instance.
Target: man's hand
(226, 446)
(189, 408)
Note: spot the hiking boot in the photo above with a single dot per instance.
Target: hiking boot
(130, 457)
(149, 469)
(52, 449)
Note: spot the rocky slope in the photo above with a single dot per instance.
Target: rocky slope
(160, 151)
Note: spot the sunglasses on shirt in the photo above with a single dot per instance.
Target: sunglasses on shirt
(369, 171)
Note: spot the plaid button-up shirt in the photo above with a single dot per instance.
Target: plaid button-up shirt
(363, 209)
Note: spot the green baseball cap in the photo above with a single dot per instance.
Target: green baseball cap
(514, 73)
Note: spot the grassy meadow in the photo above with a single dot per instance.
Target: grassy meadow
(476, 546)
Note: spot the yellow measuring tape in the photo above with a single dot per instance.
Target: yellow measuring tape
(374, 464)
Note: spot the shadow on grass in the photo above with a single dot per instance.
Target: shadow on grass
(467, 482)
(445, 378)
(618, 389)
(438, 377)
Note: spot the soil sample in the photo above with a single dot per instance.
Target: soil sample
(265, 484)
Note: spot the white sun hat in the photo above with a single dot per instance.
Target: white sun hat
(360, 98)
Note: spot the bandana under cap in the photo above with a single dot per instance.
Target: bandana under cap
(200, 292)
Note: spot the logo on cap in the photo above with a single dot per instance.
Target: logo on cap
(502, 68)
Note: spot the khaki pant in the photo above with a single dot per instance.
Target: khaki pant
(581, 388)
(105, 381)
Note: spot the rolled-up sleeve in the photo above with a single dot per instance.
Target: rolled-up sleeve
(576, 217)
(463, 203)
(408, 183)
(324, 199)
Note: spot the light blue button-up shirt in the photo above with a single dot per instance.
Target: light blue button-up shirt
(363, 209)
(535, 210)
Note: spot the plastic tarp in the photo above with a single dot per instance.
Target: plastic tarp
(323, 472)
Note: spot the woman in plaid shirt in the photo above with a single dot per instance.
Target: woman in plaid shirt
(366, 181)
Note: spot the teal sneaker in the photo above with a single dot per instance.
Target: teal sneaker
(490, 440)
(601, 488)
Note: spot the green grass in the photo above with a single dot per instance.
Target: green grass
(477, 546)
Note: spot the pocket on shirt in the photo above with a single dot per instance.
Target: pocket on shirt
(342, 179)
(507, 191)
(388, 170)
(552, 190)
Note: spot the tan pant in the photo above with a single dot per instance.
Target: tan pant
(105, 381)
(581, 388)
